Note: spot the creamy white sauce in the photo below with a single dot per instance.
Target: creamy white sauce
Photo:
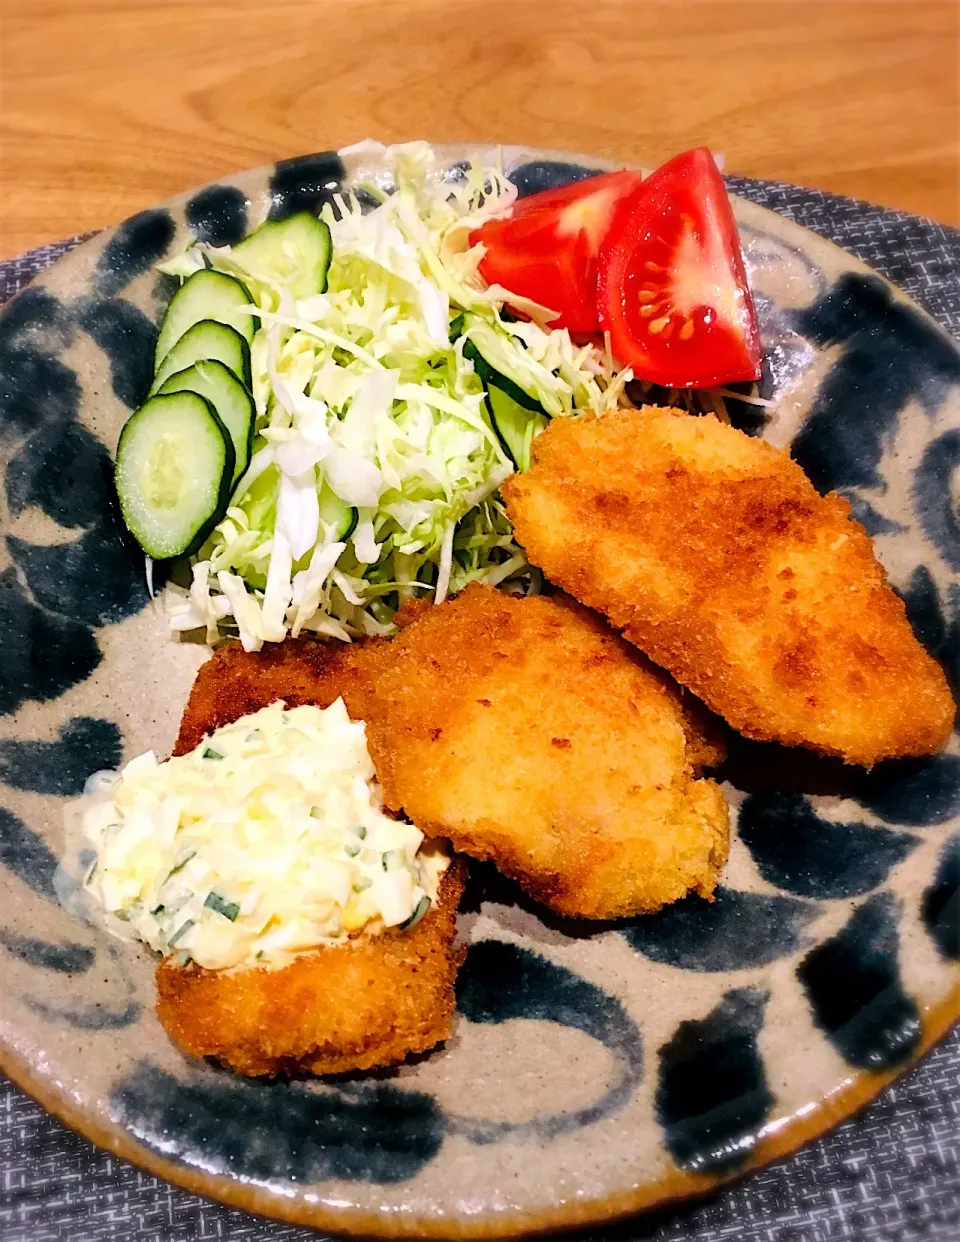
(266, 841)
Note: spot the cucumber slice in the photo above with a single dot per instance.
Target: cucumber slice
(234, 405)
(514, 424)
(337, 514)
(207, 339)
(173, 473)
(205, 295)
(297, 249)
(493, 363)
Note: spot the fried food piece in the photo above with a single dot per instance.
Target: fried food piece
(354, 1007)
(234, 683)
(357, 1006)
(715, 555)
(529, 733)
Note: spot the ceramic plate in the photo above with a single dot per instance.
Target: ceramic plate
(593, 1070)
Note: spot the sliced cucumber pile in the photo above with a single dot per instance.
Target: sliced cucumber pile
(205, 295)
(340, 517)
(174, 472)
(181, 454)
(206, 339)
(495, 364)
(232, 402)
(298, 249)
(514, 424)
(515, 414)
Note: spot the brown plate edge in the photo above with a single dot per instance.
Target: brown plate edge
(667, 1191)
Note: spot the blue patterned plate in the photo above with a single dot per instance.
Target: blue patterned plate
(593, 1070)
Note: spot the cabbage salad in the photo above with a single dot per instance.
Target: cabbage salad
(365, 399)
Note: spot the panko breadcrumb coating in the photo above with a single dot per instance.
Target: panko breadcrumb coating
(527, 732)
(357, 1006)
(714, 554)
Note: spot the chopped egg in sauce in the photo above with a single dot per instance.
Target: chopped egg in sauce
(266, 841)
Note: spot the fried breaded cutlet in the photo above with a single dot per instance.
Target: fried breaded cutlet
(716, 556)
(357, 1006)
(527, 732)
(235, 683)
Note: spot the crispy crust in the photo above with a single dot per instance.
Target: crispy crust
(370, 1003)
(366, 1004)
(715, 555)
(234, 683)
(529, 733)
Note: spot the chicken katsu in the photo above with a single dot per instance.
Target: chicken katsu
(527, 732)
(713, 553)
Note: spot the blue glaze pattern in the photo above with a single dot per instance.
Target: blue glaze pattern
(86, 744)
(374, 1133)
(941, 902)
(64, 958)
(856, 992)
(218, 215)
(712, 1093)
(735, 931)
(501, 982)
(891, 356)
(304, 183)
(129, 339)
(134, 248)
(25, 854)
(713, 1088)
(798, 851)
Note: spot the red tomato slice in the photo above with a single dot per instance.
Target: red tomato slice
(672, 290)
(547, 248)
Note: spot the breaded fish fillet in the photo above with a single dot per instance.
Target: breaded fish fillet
(715, 555)
(365, 1004)
(354, 1007)
(529, 733)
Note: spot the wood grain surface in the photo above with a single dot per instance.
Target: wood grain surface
(107, 106)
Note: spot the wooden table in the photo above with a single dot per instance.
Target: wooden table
(110, 105)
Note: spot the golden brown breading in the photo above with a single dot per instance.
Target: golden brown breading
(355, 1007)
(713, 552)
(529, 733)
(234, 683)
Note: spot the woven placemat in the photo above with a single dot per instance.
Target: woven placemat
(892, 1174)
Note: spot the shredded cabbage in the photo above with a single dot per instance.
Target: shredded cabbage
(360, 390)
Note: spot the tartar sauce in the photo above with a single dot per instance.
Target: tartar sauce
(266, 841)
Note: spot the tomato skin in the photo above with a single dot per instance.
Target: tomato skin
(547, 248)
(672, 290)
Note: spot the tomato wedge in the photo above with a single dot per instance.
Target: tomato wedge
(547, 248)
(672, 290)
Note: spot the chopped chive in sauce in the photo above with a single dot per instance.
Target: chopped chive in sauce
(392, 859)
(363, 883)
(229, 909)
(253, 735)
(210, 753)
(352, 851)
(157, 910)
(181, 931)
(181, 861)
(360, 831)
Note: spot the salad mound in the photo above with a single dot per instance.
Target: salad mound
(375, 464)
